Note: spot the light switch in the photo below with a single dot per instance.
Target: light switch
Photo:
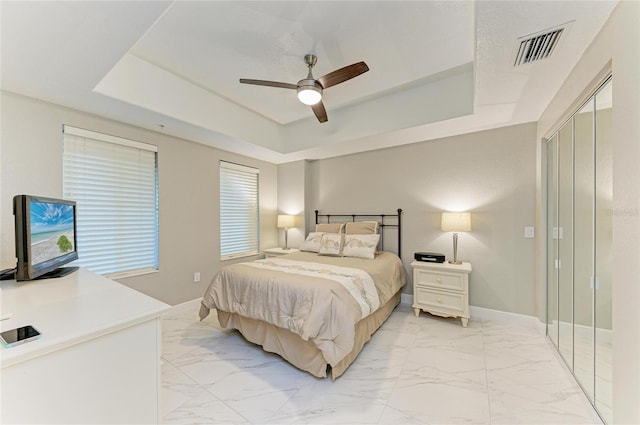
(529, 232)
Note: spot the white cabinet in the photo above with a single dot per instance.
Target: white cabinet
(441, 289)
(97, 359)
(276, 252)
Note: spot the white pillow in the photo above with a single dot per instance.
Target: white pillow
(331, 244)
(312, 243)
(361, 246)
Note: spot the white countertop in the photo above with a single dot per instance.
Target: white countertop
(69, 310)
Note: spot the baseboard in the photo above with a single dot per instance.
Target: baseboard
(184, 307)
(586, 332)
(505, 316)
(497, 315)
(604, 335)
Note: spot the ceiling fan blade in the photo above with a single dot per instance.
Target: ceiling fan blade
(269, 83)
(320, 112)
(343, 74)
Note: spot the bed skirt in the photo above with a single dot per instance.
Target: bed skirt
(304, 354)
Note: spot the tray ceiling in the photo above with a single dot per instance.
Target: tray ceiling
(437, 68)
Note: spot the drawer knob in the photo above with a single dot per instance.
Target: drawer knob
(440, 300)
(438, 279)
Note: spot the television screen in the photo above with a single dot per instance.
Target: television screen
(52, 230)
(45, 236)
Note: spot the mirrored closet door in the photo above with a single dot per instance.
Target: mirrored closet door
(579, 229)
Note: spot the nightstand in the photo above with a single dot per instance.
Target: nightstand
(441, 289)
(276, 252)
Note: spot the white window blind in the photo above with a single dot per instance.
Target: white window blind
(239, 210)
(114, 182)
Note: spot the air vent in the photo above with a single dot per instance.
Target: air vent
(536, 47)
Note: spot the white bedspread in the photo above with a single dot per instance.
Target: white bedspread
(358, 282)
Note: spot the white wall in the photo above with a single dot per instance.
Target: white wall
(291, 200)
(616, 48)
(31, 163)
(490, 173)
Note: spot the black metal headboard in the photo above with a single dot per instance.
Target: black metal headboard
(380, 218)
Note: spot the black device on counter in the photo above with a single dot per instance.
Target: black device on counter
(18, 336)
(429, 257)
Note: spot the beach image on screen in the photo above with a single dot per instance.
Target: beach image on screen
(51, 231)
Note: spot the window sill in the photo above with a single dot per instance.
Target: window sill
(236, 256)
(130, 273)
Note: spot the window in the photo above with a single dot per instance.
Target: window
(114, 182)
(239, 212)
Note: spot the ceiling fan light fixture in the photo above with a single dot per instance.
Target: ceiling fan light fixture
(309, 93)
(309, 90)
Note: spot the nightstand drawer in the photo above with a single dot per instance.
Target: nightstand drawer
(440, 300)
(451, 281)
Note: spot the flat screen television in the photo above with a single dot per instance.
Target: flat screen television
(45, 237)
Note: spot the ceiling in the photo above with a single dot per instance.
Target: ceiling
(437, 68)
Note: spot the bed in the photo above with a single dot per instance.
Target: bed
(316, 309)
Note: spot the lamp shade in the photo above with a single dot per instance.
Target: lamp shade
(285, 221)
(456, 222)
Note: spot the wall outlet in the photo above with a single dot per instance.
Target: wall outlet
(196, 277)
(529, 232)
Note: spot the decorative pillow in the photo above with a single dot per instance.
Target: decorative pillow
(361, 246)
(361, 228)
(331, 244)
(330, 227)
(312, 243)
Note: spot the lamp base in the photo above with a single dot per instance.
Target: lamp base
(455, 250)
(286, 243)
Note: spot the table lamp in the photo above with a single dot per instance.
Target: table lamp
(455, 222)
(286, 221)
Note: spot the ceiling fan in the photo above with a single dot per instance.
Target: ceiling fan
(310, 89)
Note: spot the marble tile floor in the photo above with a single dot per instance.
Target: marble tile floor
(415, 370)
